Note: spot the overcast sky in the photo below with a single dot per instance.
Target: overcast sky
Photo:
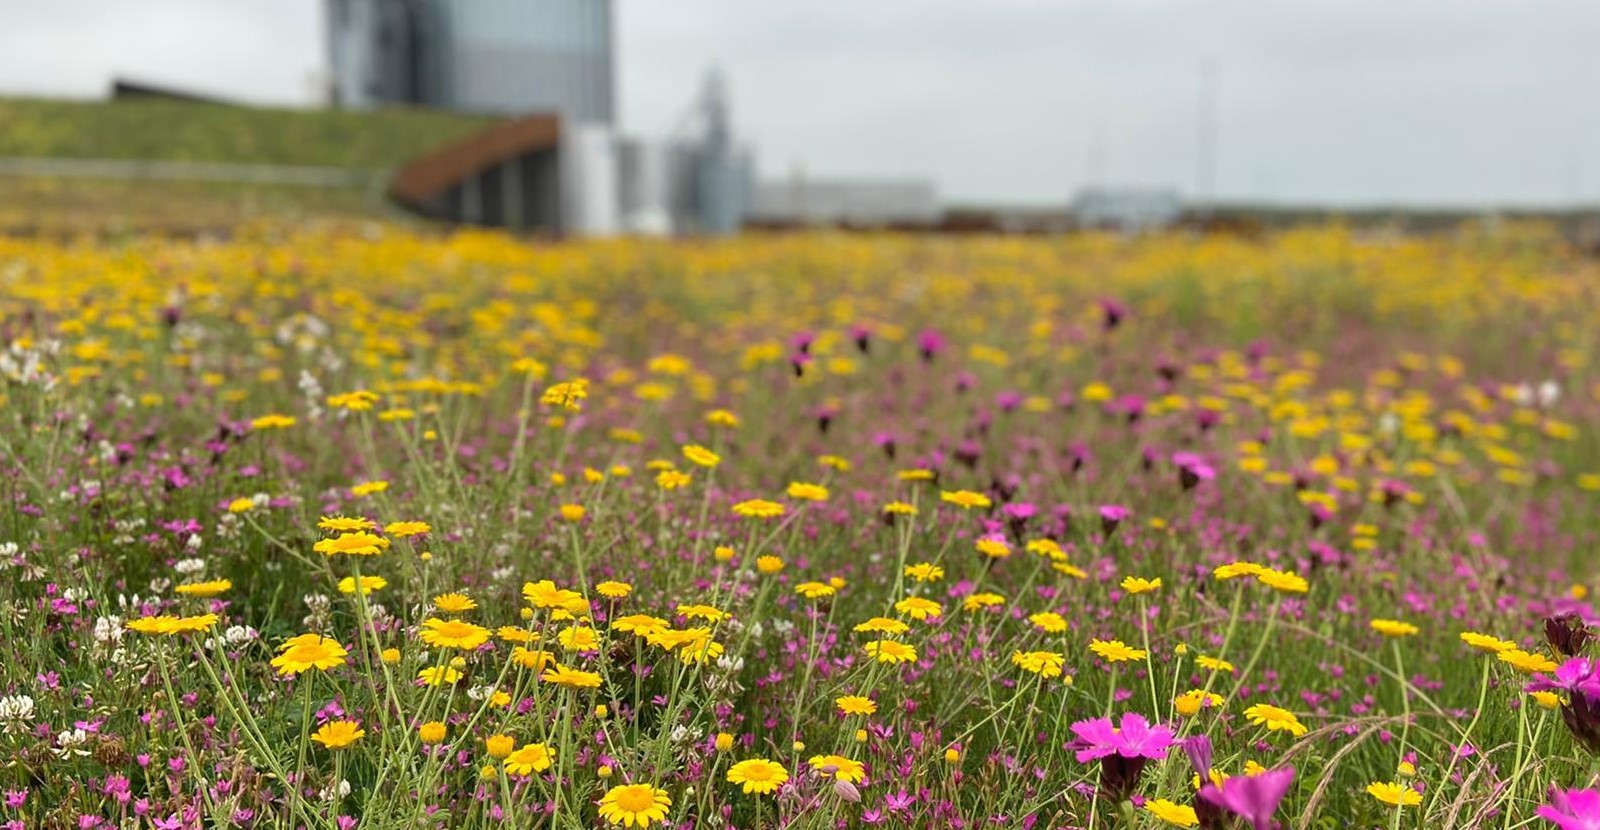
(1345, 101)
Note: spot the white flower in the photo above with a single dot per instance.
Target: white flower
(16, 711)
(235, 636)
(108, 630)
(481, 693)
(332, 791)
(1549, 393)
(71, 741)
(189, 566)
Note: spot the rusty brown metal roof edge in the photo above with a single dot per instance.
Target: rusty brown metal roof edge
(421, 179)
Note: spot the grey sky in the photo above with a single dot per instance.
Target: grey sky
(1349, 101)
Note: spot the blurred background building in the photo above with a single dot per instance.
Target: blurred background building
(1127, 209)
(846, 202)
(560, 165)
(500, 57)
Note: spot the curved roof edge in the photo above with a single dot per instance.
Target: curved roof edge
(430, 175)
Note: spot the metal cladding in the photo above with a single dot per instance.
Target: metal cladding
(509, 57)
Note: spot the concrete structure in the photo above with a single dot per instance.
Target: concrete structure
(510, 175)
(1128, 209)
(856, 202)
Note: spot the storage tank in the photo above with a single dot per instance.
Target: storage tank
(646, 203)
(588, 174)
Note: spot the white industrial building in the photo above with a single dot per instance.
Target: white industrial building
(1127, 209)
(857, 202)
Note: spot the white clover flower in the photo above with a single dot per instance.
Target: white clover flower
(71, 742)
(190, 566)
(335, 791)
(108, 630)
(15, 712)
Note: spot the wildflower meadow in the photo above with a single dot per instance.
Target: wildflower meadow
(367, 527)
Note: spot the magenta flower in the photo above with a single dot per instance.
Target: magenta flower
(1192, 469)
(1133, 738)
(1579, 677)
(1112, 515)
(1113, 312)
(1114, 512)
(1574, 676)
(1393, 491)
(1122, 750)
(862, 336)
(1252, 797)
(1198, 748)
(1021, 511)
(1573, 809)
(1129, 406)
